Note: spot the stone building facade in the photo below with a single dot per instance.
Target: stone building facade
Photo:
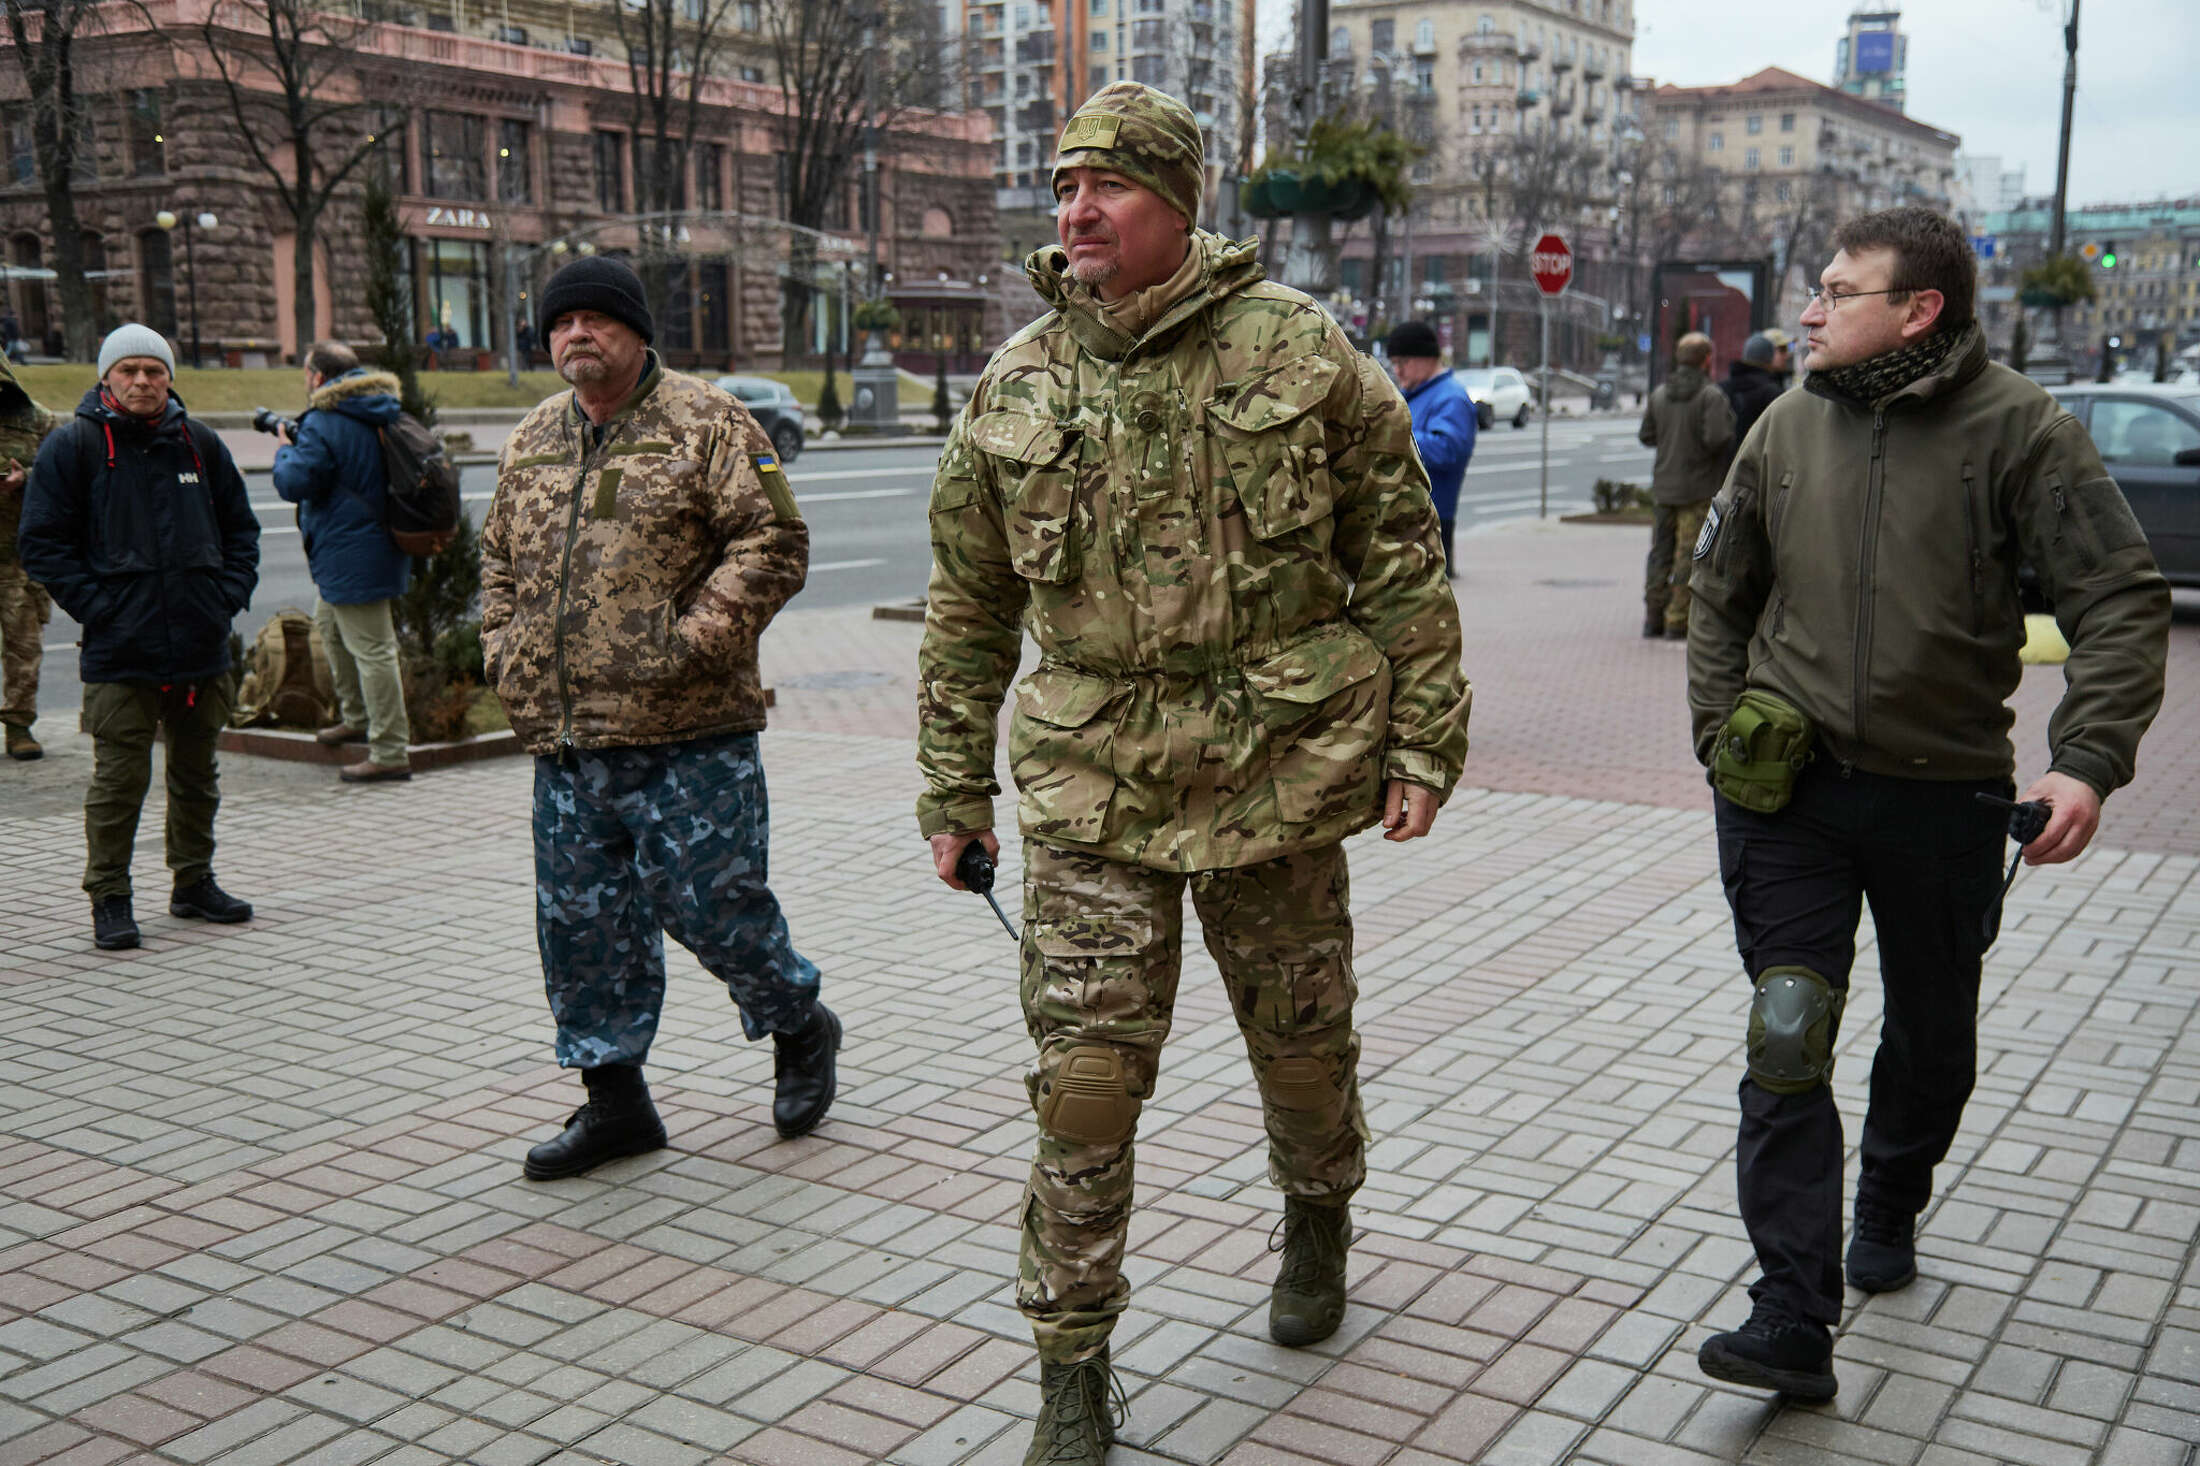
(508, 152)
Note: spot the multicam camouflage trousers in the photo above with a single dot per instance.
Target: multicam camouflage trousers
(24, 612)
(631, 843)
(1673, 531)
(1102, 950)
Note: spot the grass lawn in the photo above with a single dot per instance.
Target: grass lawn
(284, 388)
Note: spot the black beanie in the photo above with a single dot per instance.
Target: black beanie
(1412, 338)
(595, 283)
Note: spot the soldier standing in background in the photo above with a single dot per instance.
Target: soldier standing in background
(25, 607)
(1691, 424)
(1208, 509)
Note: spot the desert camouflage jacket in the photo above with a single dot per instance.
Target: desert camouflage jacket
(23, 426)
(1221, 539)
(627, 572)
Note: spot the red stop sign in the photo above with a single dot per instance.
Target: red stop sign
(1552, 264)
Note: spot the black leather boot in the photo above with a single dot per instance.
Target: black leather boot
(806, 1073)
(114, 927)
(618, 1120)
(1308, 1301)
(1775, 1350)
(208, 902)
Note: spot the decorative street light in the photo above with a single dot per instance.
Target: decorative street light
(168, 221)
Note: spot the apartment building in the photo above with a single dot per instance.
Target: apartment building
(2145, 261)
(508, 134)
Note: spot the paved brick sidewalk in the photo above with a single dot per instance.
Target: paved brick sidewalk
(262, 1199)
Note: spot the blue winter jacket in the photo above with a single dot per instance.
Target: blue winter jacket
(333, 473)
(1443, 429)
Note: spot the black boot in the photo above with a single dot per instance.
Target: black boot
(1775, 1350)
(806, 1074)
(113, 926)
(208, 902)
(1882, 1246)
(618, 1120)
(1076, 1422)
(1308, 1301)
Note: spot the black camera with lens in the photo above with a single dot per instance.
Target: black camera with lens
(268, 420)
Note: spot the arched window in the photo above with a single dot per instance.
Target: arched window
(938, 224)
(1424, 36)
(1340, 42)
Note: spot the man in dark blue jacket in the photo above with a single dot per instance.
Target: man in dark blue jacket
(135, 520)
(1443, 419)
(333, 473)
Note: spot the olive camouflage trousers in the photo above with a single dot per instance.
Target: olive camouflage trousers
(1673, 531)
(24, 612)
(1102, 950)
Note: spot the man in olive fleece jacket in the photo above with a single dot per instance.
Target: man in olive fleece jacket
(1861, 562)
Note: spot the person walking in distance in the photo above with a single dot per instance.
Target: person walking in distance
(25, 608)
(1850, 660)
(641, 538)
(1691, 424)
(1206, 508)
(332, 470)
(135, 518)
(1443, 420)
(1754, 382)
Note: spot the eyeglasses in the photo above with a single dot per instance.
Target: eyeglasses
(1831, 299)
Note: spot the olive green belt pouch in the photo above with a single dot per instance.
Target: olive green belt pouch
(1764, 745)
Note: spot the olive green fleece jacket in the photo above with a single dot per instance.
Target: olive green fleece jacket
(1862, 558)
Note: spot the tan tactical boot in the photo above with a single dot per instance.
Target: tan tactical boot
(1308, 1302)
(20, 743)
(1076, 1422)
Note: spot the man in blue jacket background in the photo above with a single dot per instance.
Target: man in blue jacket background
(333, 473)
(135, 520)
(1443, 419)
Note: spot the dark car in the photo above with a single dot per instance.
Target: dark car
(776, 410)
(2149, 436)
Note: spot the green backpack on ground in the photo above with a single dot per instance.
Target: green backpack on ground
(286, 678)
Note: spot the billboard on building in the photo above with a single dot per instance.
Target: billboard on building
(1726, 300)
(1874, 53)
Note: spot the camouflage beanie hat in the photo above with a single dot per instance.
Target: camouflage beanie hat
(1146, 135)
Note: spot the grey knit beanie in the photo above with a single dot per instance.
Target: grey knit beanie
(135, 340)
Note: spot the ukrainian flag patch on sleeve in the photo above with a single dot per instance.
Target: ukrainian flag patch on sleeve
(774, 480)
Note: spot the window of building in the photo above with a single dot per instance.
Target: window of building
(84, 163)
(1099, 40)
(1099, 7)
(1485, 26)
(156, 281)
(457, 276)
(148, 142)
(1340, 42)
(1382, 37)
(1672, 129)
(1148, 69)
(750, 15)
(1718, 142)
(452, 146)
(1096, 75)
(1787, 157)
(1749, 159)
(1755, 124)
(611, 172)
(1784, 192)
(1424, 36)
(750, 74)
(515, 178)
(1424, 76)
(1787, 122)
(710, 177)
(716, 300)
(1478, 73)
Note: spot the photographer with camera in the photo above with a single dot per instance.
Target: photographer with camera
(330, 466)
(135, 520)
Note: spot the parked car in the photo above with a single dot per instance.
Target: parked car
(776, 410)
(2149, 437)
(1497, 392)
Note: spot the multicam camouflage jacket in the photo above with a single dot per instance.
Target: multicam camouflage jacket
(625, 581)
(23, 426)
(1221, 538)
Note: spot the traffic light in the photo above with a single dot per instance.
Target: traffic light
(2108, 255)
(2090, 252)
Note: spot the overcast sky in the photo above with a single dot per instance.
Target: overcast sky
(1987, 70)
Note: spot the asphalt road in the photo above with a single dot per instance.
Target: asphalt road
(867, 524)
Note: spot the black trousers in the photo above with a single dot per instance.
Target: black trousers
(1926, 855)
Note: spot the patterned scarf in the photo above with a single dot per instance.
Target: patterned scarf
(1884, 375)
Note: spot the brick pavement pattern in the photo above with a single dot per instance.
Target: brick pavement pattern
(260, 1201)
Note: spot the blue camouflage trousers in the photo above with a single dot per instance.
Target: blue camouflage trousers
(631, 843)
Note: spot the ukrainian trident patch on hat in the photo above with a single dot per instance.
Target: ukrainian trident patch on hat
(1090, 130)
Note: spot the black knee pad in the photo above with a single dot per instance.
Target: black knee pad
(1793, 1020)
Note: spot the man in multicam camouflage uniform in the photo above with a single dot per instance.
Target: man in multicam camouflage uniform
(1207, 508)
(24, 606)
(641, 537)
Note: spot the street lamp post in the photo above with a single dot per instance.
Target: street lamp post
(168, 221)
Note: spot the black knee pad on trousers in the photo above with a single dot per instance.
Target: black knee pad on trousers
(1090, 1101)
(1793, 1019)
